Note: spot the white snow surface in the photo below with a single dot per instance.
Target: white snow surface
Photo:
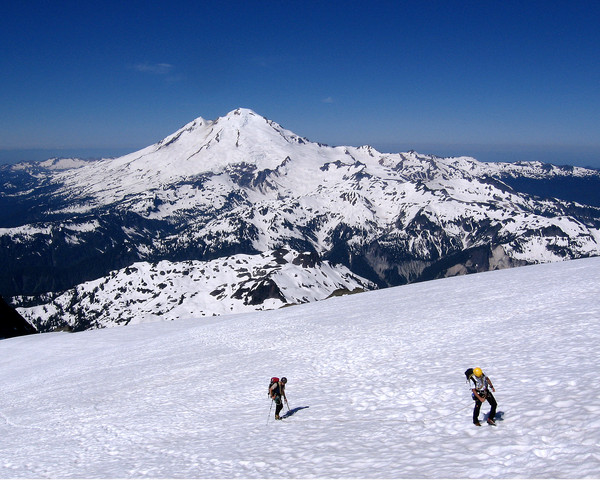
(376, 387)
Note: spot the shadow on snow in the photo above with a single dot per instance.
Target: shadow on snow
(291, 412)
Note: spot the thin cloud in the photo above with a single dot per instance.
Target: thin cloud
(154, 68)
(327, 100)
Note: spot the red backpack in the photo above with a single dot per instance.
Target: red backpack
(273, 380)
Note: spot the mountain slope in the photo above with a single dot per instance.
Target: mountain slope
(146, 292)
(244, 185)
(376, 387)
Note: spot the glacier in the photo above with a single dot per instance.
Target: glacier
(376, 387)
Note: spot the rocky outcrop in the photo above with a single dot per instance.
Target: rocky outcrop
(12, 324)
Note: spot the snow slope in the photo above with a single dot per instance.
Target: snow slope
(376, 387)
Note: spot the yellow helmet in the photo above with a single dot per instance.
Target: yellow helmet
(477, 372)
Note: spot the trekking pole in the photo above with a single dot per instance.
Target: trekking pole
(270, 411)
(288, 405)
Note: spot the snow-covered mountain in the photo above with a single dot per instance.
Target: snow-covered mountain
(244, 185)
(172, 290)
(376, 387)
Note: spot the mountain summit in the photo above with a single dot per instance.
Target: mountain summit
(200, 147)
(244, 185)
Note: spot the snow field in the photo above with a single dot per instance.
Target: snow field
(376, 387)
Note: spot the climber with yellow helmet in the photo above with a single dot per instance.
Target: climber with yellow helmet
(481, 392)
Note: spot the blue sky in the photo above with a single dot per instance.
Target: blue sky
(496, 80)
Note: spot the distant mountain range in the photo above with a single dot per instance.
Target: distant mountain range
(155, 228)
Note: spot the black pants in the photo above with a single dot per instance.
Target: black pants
(492, 401)
(278, 404)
